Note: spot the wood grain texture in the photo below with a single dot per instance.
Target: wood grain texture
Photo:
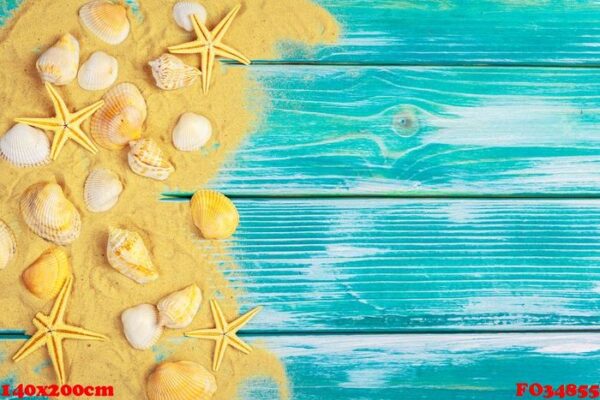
(421, 131)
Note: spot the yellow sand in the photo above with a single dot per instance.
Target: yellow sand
(101, 293)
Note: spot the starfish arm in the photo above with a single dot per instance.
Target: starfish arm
(60, 304)
(239, 344)
(59, 140)
(219, 31)
(235, 325)
(220, 349)
(207, 64)
(60, 107)
(212, 334)
(222, 50)
(200, 29)
(85, 113)
(56, 356)
(79, 136)
(187, 48)
(67, 331)
(35, 342)
(220, 321)
(48, 124)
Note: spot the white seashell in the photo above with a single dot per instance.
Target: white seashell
(182, 13)
(178, 309)
(102, 189)
(140, 326)
(171, 73)
(8, 244)
(107, 20)
(25, 146)
(98, 72)
(58, 65)
(146, 159)
(127, 253)
(191, 132)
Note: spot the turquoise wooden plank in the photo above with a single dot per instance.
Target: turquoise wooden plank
(336, 130)
(454, 32)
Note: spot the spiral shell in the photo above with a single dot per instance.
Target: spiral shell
(102, 190)
(105, 19)
(58, 65)
(178, 309)
(146, 159)
(214, 214)
(8, 245)
(49, 214)
(46, 276)
(127, 254)
(171, 73)
(181, 380)
(121, 118)
(25, 146)
(98, 72)
(191, 132)
(182, 14)
(140, 326)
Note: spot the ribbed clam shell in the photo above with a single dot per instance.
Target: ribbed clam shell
(140, 326)
(98, 72)
(127, 253)
(191, 132)
(214, 214)
(181, 380)
(121, 118)
(45, 276)
(182, 14)
(146, 159)
(25, 146)
(58, 65)
(49, 214)
(8, 244)
(105, 19)
(102, 190)
(178, 309)
(171, 73)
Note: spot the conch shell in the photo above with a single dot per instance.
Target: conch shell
(46, 276)
(127, 254)
(181, 380)
(214, 214)
(140, 326)
(49, 214)
(105, 19)
(58, 65)
(191, 132)
(183, 11)
(8, 244)
(178, 309)
(102, 190)
(146, 159)
(25, 146)
(98, 72)
(171, 73)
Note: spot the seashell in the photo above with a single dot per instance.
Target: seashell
(107, 20)
(46, 276)
(146, 159)
(178, 309)
(121, 118)
(191, 132)
(140, 326)
(25, 146)
(214, 214)
(181, 380)
(98, 72)
(8, 244)
(102, 189)
(127, 254)
(182, 14)
(58, 65)
(49, 214)
(171, 73)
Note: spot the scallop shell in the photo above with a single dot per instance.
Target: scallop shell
(58, 65)
(98, 72)
(171, 73)
(105, 19)
(49, 214)
(214, 214)
(46, 276)
(25, 146)
(191, 132)
(121, 118)
(182, 14)
(140, 326)
(181, 380)
(127, 254)
(178, 309)
(102, 189)
(8, 244)
(146, 159)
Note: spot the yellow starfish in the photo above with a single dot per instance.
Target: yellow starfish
(225, 333)
(64, 124)
(52, 330)
(209, 45)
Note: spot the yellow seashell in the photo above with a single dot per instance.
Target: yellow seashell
(141, 327)
(49, 214)
(181, 380)
(8, 244)
(127, 254)
(178, 309)
(46, 276)
(214, 214)
(171, 73)
(146, 159)
(121, 118)
(58, 65)
(105, 19)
